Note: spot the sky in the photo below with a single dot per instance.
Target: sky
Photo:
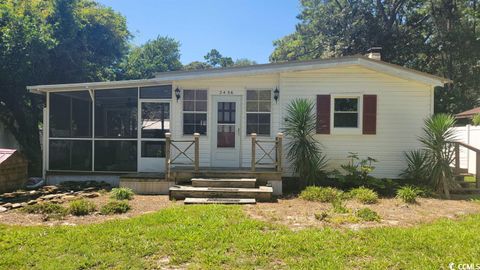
(236, 28)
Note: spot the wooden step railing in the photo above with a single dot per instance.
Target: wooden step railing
(269, 158)
(181, 147)
(457, 146)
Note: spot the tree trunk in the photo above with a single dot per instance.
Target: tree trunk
(445, 187)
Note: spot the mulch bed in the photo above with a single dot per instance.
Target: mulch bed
(299, 214)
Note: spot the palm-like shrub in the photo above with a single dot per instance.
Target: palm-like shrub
(417, 166)
(439, 149)
(303, 150)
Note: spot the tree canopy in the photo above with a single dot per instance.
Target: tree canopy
(439, 37)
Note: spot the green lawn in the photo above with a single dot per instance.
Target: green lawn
(223, 237)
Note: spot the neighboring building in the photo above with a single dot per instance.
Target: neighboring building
(13, 170)
(468, 114)
(7, 140)
(364, 105)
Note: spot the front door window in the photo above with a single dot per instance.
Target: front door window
(226, 114)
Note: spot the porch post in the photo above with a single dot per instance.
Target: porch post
(254, 155)
(196, 137)
(457, 158)
(477, 169)
(279, 146)
(168, 139)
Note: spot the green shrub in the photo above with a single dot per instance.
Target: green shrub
(81, 207)
(321, 216)
(115, 207)
(320, 194)
(367, 214)
(476, 119)
(364, 195)
(122, 194)
(46, 208)
(417, 166)
(408, 194)
(339, 206)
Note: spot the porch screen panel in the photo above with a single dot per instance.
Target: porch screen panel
(116, 113)
(115, 155)
(70, 115)
(72, 155)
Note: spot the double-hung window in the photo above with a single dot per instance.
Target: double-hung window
(195, 111)
(345, 112)
(259, 107)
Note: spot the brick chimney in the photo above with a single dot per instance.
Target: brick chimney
(374, 53)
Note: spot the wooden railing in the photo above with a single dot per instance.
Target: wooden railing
(271, 152)
(171, 157)
(457, 146)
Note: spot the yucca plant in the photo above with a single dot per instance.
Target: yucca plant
(303, 150)
(417, 166)
(439, 149)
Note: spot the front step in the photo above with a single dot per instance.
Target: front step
(219, 201)
(223, 182)
(261, 194)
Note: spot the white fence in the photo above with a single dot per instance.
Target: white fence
(469, 135)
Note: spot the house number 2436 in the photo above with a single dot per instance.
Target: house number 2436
(225, 92)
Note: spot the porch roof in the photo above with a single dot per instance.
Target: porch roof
(260, 69)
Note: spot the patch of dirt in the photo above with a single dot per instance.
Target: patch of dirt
(299, 214)
(141, 204)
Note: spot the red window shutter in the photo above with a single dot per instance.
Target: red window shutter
(370, 114)
(323, 114)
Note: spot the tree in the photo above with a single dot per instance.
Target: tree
(197, 65)
(54, 41)
(437, 36)
(158, 55)
(244, 62)
(215, 59)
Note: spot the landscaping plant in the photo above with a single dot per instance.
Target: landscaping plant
(364, 195)
(367, 214)
(115, 207)
(437, 141)
(417, 166)
(408, 194)
(303, 150)
(122, 194)
(81, 207)
(476, 119)
(320, 194)
(50, 210)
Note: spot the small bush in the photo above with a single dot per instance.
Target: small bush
(408, 194)
(364, 195)
(321, 216)
(46, 208)
(81, 207)
(343, 218)
(115, 207)
(367, 214)
(320, 194)
(339, 206)
(122, 194)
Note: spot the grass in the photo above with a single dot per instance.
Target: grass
(223, 237)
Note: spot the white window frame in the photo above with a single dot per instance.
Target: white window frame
(346, 130)
(247, 112)
(195, 112)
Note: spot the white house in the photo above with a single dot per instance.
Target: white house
(364, 105)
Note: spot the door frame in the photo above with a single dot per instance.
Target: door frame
(238, 99)
(156, 163)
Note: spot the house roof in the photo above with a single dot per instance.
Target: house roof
(6, 153)
(469, 113)
(260, 69)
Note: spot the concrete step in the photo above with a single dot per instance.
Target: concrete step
(219, 201)
(224, 182)
(261, 194)
(467, 184)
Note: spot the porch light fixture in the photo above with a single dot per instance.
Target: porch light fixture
(276, 94)
(177, 94)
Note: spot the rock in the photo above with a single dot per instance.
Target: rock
(7, 205)
(49, 197)
(31, 202)
(3, 209)
(90, 189)
(50, 189)
(16, 205)
(69, 197)
(91, 195)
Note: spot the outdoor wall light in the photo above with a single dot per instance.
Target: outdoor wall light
(276, 94)
(177, 94)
